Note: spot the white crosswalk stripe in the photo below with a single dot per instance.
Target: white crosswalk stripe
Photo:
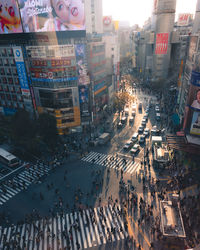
(21, 181)
(78, 230)
(113, 162)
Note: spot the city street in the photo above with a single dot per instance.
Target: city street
(101, 200)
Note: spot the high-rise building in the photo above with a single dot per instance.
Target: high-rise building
(164, 23)
(94, 16)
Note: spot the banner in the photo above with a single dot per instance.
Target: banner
(81, 63)
(183, 19)
(52, 15)
(19, 60)
(161, 43)
(10, 21)
(195, 124)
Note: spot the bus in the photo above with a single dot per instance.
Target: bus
(8, 158)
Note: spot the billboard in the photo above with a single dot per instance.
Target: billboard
(161, 43)
(52, 15)
(192, 47)
(81, 63)
(195, 124)
(183, 19)
(10, 21)
(52, 51)
(84, 98)
(19, 60)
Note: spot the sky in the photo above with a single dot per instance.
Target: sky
(138, 11)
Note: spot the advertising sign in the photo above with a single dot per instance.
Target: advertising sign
(84, 98)
(54, 51)
(195, 124)
(52, 15)
(192, 47)
(155, 4)
(10, 21)
(19, 60)
(81, 62)
(161, 43)
(107, 23)
(183, 19)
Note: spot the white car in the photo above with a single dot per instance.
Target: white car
(128, 145)
(134, 137)
(134, 106)
(135, 149)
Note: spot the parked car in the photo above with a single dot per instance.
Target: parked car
(128, 145)
(135, 149)
(142, 139)
(134, 137)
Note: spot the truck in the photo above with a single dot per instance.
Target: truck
(104, 138)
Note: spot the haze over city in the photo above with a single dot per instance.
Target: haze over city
(137, 12)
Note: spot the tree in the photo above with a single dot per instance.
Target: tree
(121, 99)
(22, 126)
(47, 130)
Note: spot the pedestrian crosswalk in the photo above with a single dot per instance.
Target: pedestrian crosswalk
(112, 161)
(78, 230)
(21, 181)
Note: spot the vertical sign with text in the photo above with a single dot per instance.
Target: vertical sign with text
(161, 43)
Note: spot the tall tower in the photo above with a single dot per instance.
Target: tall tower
(196, 25)
(164, 11)
(94, 16)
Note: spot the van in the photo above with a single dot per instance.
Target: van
(140, 106)
(134, 137)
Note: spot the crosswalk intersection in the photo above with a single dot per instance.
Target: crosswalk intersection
(21, 181)
(112, 161)
(78, 230)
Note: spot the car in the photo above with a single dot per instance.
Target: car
(133, 113)
(126, 110)
(119, 125)
(124, 120)
(140, 129)
(140, 106)
(128, 145)
(134, 106)
(142, 139)
(135, 149)
(131, 119)
(154, 130)
(134, 137)
(146, 132)
(157, 109)
(146, 115)
(143, 123)
(158, 117)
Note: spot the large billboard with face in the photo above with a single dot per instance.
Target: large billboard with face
(10, 21)
(52, 15)
(192, 47)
